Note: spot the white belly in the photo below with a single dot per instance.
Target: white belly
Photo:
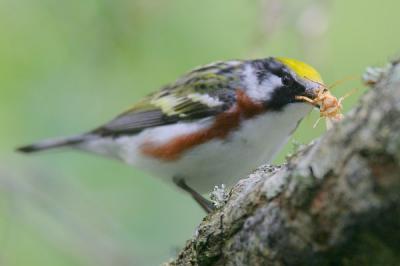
(217, 162)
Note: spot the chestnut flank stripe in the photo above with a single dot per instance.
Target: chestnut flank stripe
(224, 124)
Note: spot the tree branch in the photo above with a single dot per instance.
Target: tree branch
(336, 202)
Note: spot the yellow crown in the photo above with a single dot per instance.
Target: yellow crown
(301, 69)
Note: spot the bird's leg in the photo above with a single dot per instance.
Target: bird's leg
(205, 204)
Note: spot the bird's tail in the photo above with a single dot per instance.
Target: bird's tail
(52, 143)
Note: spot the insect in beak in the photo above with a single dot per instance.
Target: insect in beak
(329, 106)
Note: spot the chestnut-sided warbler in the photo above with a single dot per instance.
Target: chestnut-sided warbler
(212, 126)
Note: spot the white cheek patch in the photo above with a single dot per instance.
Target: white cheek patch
(250, 79)
(271, 84)
(258, 91)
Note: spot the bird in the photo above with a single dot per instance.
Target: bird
(212, 126)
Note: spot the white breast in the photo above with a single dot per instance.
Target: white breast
(217, 162)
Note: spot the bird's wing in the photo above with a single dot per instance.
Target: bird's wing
(199, 94)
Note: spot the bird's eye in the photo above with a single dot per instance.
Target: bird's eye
(287, 80)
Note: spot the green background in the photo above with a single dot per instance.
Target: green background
(68, 66)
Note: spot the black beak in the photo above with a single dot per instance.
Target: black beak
(308, 95)
(311, 93)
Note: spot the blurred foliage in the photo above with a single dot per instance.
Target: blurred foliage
(67, 66)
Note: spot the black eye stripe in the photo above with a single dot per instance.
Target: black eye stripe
(286, 79)
(284, 93)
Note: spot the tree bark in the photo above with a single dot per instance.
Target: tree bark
(336, 202)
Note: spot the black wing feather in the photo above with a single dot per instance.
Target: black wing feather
(134, 122)
(201, 81)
